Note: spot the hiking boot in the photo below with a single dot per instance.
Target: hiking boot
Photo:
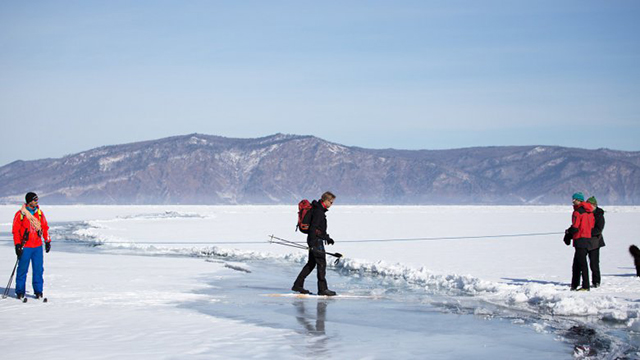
(300, 289)
(595, 285)
(39, 296)
(327, 293)
(573, 289)
(19, 296)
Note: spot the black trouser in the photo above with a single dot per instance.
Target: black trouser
(594, 264)
(315, 258)
(580, 269)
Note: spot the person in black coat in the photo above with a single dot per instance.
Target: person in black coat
(315, 239)
(596, 242)
(635, 252)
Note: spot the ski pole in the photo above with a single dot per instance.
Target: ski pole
(6, 290)
(25, 237)
(280, 241)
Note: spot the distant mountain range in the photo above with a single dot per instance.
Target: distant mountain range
(282, 169)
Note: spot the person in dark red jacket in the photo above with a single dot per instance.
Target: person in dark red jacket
(582, 222)
(30, 227)
(315, 239)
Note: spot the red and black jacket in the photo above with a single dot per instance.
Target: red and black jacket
(22, 225)
(582, 223)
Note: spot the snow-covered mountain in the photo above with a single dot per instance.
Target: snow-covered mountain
(205, 169)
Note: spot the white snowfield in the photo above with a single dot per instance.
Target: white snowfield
(167, 282)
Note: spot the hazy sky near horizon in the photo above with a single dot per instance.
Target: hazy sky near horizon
(75, 75)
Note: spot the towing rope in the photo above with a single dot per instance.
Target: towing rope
(340, 241)
(454, 237)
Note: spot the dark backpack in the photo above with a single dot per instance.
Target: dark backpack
(304, 216)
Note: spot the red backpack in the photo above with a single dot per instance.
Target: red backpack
(304, 216)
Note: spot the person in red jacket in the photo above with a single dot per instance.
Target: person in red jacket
(582, 222)
(30, 227)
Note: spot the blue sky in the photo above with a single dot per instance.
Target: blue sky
(75, 75)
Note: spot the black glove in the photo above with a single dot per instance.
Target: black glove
(330, 241)
(567, 238)
(18, 250)
(47, 246)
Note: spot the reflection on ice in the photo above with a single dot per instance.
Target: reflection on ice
(313, 325)
(399, 325)
(316, 328)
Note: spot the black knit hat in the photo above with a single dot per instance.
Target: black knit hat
(30, 197)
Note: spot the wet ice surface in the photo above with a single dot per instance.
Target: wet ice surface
(394, 323)
(513, 302)
(392, 319)
(402, 319)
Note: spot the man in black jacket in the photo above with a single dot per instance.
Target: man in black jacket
(635, 252)
(596, 242)
(315, 239)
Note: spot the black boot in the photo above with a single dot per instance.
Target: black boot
(39, 295)
(19, 296)
(300, 289)
(327, 292)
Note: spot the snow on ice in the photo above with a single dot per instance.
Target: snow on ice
(521, 282)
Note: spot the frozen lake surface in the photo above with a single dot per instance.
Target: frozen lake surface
(170, 281)
(394, 323)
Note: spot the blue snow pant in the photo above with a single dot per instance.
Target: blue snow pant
(33, 255)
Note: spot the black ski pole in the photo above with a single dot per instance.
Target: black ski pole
(25, 237)
(6, 290)
(280, 241)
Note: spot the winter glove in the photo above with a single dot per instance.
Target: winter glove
(330, 241)
(571, 230)
(19, 250)
(47, 246)
(567, 237)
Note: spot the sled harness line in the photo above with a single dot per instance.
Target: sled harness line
(453, 237)
(284, 242)
(133, 242)
(430, 238)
